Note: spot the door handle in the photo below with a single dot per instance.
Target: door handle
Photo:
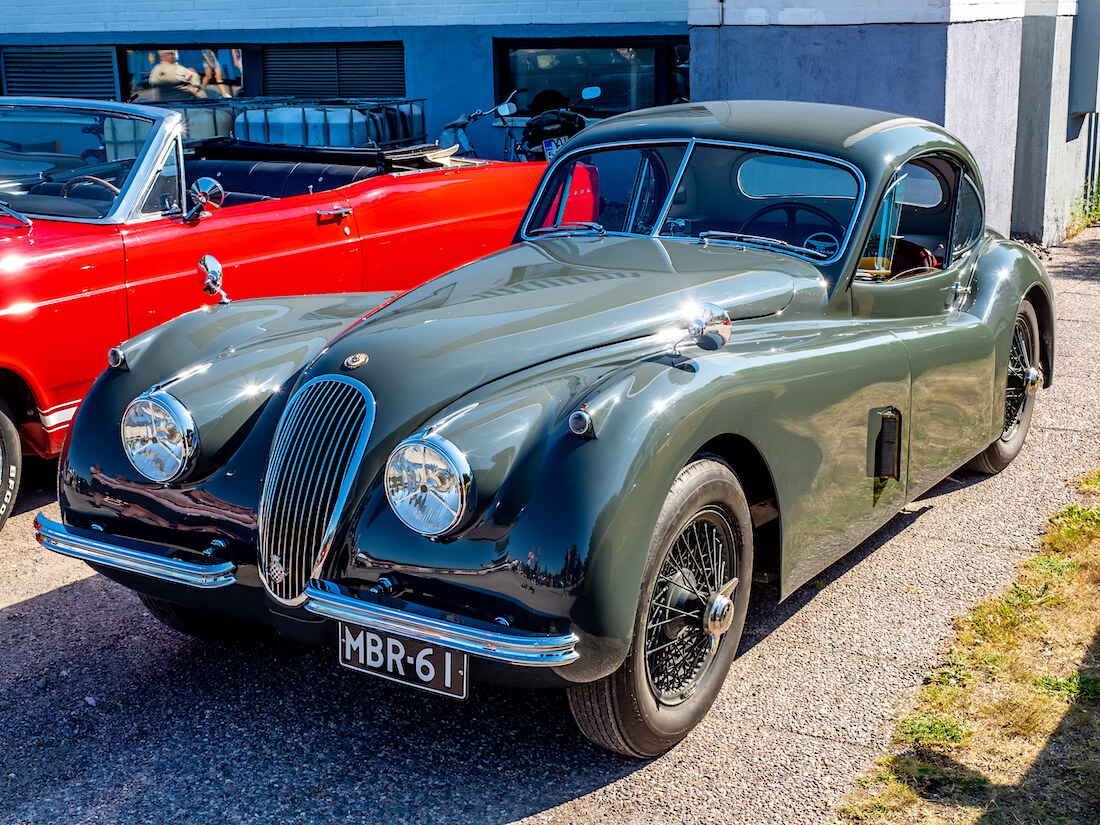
(333, 215)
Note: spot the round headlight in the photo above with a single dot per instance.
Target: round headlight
(427, 484)
(158, 436)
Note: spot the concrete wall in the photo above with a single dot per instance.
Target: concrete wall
(872, 66)
(860, 12)
(980, 105)
(1050, 137)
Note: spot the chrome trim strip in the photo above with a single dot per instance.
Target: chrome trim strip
(58, 538)
(529, 651)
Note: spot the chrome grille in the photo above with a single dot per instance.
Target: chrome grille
(318, 445)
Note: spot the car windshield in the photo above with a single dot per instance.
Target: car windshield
(68, 163)
(725, 193)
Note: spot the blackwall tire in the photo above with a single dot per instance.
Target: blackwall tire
(200, 624)
(670, 677)
(11, 463)
(1001, 452)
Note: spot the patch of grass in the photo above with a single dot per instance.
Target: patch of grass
(988, 739)
(1085, 210)
(930, 729)
(1072, 688)
(1090, 483)
(1074, 527)
(1053, 565)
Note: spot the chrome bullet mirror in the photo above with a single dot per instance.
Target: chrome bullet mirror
(204, 192)
(210, 270)
(709, 329)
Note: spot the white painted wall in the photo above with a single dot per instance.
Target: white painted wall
(188, 15)
(859, 12)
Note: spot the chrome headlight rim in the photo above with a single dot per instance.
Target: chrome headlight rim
(458, 464)
(184, 421)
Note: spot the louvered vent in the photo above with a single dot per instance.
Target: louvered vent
(346, 70)
(320, 440)
(77, 72)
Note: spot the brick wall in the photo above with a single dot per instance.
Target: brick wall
(213, 15)
(859, 12)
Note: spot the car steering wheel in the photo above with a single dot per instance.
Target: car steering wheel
(792, 208)
(110, 187)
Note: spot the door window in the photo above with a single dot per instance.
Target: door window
(910, 232)
(968, 219)
(164, 196)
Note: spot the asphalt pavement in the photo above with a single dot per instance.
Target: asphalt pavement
(108, 717)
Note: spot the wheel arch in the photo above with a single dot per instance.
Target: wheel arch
(752, 470)
(1044, 312)
(16, 392)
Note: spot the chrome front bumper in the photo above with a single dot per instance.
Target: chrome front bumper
(324, 599)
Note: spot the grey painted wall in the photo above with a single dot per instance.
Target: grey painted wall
(980, 107)
(897, 68)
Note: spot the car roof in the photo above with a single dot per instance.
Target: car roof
(873, 141)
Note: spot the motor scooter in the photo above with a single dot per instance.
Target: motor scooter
(454, 133)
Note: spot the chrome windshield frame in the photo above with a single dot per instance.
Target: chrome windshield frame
(166, 126)
(691, 144)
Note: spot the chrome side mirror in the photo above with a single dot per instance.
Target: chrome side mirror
(210, 270)
(204, 192)
(709, 329)
(506, 109)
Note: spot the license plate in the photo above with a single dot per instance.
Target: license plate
(552, 145)
(428, 667)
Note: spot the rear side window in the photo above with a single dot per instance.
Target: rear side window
(968, 218)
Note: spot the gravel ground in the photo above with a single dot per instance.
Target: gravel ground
(107, 717)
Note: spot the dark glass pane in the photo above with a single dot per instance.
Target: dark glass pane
(554, 77)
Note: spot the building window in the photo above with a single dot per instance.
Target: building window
(166, 73)
(357, 70)
(632, 73)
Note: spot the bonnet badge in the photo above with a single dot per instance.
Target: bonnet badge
(357, 360)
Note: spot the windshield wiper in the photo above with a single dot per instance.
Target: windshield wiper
(569, 227)
(718, 235)
(26, 222)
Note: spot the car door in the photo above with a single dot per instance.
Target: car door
(914, 275)
(304, 244)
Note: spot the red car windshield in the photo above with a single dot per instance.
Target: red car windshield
(69, 163)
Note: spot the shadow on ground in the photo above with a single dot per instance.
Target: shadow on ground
(1061, 786)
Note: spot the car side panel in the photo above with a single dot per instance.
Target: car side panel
(418, 225)
(63, 306)
(277, 247)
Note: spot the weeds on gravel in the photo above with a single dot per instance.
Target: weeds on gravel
(1006, 729)
(1085, 210)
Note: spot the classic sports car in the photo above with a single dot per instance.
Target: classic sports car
(97, 243)
(528, 469)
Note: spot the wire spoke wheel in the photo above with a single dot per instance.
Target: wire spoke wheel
(678, 648)
(1020, 359)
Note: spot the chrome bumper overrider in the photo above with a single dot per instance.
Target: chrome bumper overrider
(57, 537)
(324, 599)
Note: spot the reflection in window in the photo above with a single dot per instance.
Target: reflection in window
(171, 74)
(629, 76)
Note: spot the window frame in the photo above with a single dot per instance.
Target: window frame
(842, 247)
(953, 255)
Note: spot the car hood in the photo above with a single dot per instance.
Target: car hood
(542, 300)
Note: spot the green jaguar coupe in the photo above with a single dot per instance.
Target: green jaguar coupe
(730, 341)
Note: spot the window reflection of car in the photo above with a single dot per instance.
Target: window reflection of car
(737, 338)
(98, 241)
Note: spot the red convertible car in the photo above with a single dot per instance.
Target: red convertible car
(101, 238)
